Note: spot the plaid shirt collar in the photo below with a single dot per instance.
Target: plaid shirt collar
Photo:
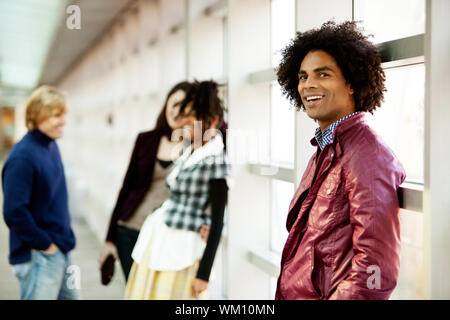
(326, 137)
(188, 183)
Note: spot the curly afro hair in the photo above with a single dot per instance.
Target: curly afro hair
(357, 58)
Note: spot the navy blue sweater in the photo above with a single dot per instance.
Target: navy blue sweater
(35, 204)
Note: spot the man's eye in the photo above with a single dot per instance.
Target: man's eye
(323, 75)
(302, 77)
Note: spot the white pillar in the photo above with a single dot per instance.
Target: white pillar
(436, 196)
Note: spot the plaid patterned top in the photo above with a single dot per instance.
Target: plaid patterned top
(188, 184)
(326, 137)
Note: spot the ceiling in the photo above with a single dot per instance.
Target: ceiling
(37, 47)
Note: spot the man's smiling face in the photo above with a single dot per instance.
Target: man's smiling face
(326, 95)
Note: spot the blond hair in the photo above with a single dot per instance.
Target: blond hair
(41, 104)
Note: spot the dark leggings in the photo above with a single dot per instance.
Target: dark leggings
(125, 240)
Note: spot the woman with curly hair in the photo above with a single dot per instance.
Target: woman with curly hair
(343, 222)
(144, 189)
(170, 259)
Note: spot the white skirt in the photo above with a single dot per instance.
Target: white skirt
(171, 249)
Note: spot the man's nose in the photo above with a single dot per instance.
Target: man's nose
(307, 84)
(310, 82)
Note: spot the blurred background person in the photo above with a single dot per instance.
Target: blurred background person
(170, 259)
(36, 203)
(144, 187)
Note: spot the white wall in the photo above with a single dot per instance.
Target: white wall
(249, 203)
(437, 171)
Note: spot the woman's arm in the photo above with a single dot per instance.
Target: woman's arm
(218, 200)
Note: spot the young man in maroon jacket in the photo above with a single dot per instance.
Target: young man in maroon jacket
(343, 222)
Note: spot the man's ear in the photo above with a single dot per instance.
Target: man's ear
(350, 89)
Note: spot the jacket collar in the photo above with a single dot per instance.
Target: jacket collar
(213, 147)
(326, 136)
(341, 128)
(346, 124)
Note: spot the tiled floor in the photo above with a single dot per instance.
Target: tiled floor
(84, 255)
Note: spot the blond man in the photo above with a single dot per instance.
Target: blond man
(35, 202)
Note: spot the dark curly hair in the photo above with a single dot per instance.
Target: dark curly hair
(355, 55)
(206, 104)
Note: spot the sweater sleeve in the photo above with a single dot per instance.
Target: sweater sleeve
(218, 199)
(18, 176)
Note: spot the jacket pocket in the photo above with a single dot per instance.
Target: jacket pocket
(314, 273)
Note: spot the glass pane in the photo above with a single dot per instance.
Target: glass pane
(400, 18)
(273, 287)
(400, 120)
(411, 279)
(282, 193)
(282, 129)
(283, 26)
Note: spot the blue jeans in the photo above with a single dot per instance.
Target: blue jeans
(47, 277)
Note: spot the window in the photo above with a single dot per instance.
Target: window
(411, 278)
(401, 18)
(282, 193)
(400, 120)
(282, 131)
(273, 287)
(282, 115)
(282, 26)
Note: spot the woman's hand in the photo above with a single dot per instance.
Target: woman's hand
(108, 248)
(204, 232)
(198, 286)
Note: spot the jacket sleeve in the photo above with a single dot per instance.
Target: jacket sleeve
(18, 177)
(372, 185)
(128, 181)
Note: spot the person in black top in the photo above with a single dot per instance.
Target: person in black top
(169, 261)
(143, 187)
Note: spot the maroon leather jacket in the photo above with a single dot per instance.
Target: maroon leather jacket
(343, 222)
